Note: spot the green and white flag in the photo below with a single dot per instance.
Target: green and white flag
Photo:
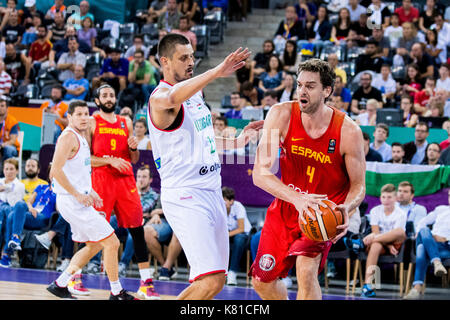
(426, 179)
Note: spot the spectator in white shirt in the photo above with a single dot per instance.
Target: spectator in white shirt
(239, 227)
(414, 212)
(431, 246)
(385, 83)
(443, 29)
(369, 117)
(388, 223)
(444, 78)
(379, 142)
(356, 10)
(394, 31)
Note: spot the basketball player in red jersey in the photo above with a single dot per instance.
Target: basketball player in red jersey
(321, 155)
(113, 149)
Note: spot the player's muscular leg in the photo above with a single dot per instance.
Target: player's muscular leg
(204, 288)
(111, 248)
(308, 284)
(275, 290)
(82, 256)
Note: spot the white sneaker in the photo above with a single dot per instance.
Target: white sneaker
(287, 282)
(413, 294)
(63, 266)
(44, 240)
(231, 278)
(439, 269)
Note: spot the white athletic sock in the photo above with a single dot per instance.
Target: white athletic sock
(145, 274)
(63, 279)
(116, 287)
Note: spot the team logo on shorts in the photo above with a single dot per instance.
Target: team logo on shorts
(267, 262)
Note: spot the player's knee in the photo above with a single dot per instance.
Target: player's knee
(112, 242)
(260, 286)
(213, 283)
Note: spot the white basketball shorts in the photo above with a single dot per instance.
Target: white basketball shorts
(199, 219)
(86, 223)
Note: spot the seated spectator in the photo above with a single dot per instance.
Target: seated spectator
(62, 46)
(68, 61)
(412, 83)
(383, 44)
(410, 118)
(238, 228)
(170, 19)
(57, 7)
(40, 49)
(386, 84)
(380, 14)
(114, 71)
(306, 10)
(77, 19)
(364, 93)
(29, 11)
(443, 29)
(423, 60)
(261, 58)
(17, 66)
(32, 181)
(407, 13)
(415, 150)
(398, 154)
(57, 29)
(191, 9)
(436, 50)
(214, 5)
(445, 157)
(362, 31)
(57, 106)
(141, 77)
(379, 144)
(369, 117)
(431, 246)
(287, 93)
(141, 134)
(437, 103)
(343, 92)
(443, 82)
(414, 211)
(371, 155)
(290, 59)
(5, 80)
(340, 30)
(12, 31)
(394, 31)
(370, 60)
(156, 228)
(78, 86)
(288, 29)
(336, 102)
(333, 62)
(155, 10)
(422, 98)
(9, 126)
(252, 94)
(238, 103)
(138, 44)
(126, 112)
(222, 129)
(245, 74)
(272, 78)
(88, 34)
(426, 17)
(31, 30)
(319, 30)
(388, 223)
(11, 192)
(432, 154)
(184, 29)
(405, 43)
(355, 9)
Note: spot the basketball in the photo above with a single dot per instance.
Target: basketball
(324, 227)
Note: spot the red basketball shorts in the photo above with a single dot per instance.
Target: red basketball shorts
(119, 193)
(281, 242)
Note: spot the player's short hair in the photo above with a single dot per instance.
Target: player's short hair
(13, 161)
(166, 46)
(99, 89)
(327, 75)
(228, 193)
(388, 188)
(74, 104)
(407, 184)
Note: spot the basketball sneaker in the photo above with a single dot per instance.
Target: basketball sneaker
(76, 286)
(14, 243)
(61, 292)
(367, 291)
(123, 295)
(231, 278)
(5, 261)
(166, 274)
(147, 290)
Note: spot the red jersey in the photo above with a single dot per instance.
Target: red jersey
(111, 139)
(315, 165)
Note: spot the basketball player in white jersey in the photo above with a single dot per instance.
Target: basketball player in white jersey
(185, 153)
(71, 178)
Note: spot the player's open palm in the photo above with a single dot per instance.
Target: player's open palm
(305, 202)
(233, 62)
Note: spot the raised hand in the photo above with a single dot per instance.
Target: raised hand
(233, 62)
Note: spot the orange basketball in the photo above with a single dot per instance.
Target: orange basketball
(324, 227)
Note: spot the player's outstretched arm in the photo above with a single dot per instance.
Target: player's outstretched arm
(250, 132)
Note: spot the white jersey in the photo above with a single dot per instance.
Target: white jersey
(78, 168)
(186, 156)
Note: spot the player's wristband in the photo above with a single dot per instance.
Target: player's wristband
(133, 149)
